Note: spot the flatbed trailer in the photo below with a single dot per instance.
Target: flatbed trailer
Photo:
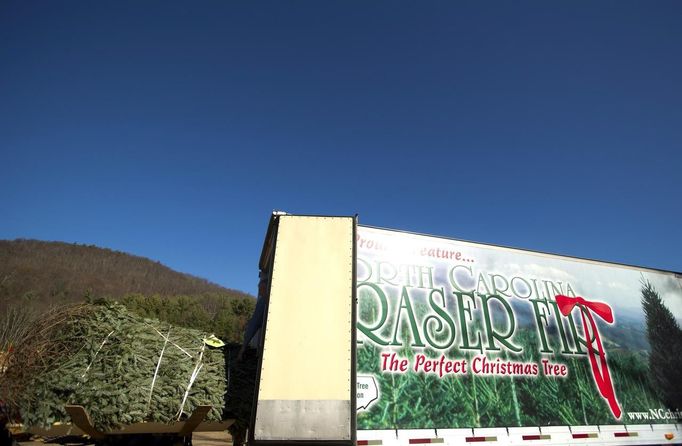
(82, 430)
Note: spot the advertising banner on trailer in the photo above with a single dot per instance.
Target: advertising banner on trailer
(456, 334)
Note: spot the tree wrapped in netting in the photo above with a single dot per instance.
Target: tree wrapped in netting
(122, 368)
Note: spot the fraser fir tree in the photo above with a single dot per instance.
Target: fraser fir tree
(665, 338)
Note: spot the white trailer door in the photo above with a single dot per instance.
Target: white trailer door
(307, 370)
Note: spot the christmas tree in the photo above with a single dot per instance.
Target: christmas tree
(665, 338)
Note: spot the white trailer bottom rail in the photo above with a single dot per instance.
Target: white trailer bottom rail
(616, 435)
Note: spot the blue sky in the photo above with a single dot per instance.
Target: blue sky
(171, 130)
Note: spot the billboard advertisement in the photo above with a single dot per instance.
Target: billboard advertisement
(454, 334)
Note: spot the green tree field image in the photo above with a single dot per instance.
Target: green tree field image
(665, 338)
(453, 334)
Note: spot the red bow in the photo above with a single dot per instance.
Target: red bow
(601, 377)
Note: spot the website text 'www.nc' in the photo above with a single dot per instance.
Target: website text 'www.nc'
(656, 414)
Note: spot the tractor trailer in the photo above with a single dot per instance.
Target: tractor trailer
(381, 337)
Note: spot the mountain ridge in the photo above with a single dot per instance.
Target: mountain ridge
(56, 271)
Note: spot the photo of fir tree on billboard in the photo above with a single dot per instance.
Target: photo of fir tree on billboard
(457, 334)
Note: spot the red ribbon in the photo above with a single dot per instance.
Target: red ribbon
(601, 375)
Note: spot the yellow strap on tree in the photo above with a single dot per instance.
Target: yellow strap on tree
(212, 341)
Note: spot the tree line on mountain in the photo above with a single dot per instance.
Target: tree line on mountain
(213, 313)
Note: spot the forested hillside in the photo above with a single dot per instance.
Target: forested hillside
(36, 276)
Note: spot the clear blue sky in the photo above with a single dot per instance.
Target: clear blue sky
(171, 129)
